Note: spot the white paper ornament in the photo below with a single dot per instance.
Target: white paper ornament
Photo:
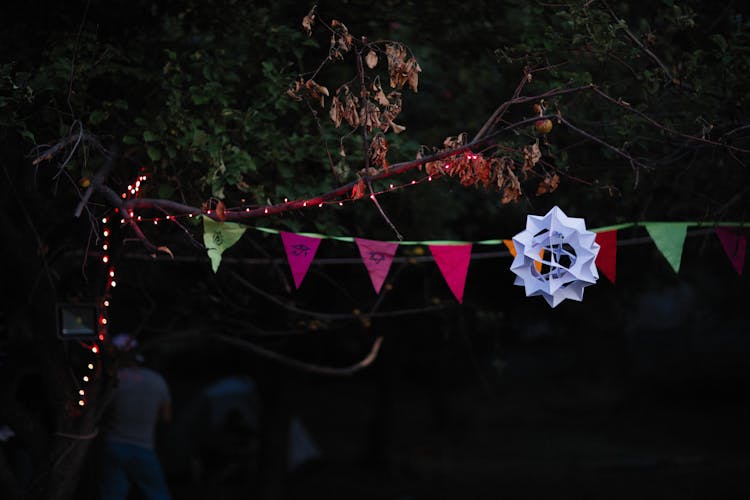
(567, 252)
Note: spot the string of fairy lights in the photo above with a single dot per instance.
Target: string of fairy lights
(93, 367)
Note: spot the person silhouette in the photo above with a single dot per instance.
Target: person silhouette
(141, 398)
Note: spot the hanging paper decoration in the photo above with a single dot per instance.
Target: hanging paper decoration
(669, 238)
(218, 236)
(453, 261)
(568, 257)
(606, 259)
(735, 244)
(512, 249)
(300, 251)
(377, 256)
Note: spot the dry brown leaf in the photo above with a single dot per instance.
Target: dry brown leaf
(221, 211)
(548, 184)
(413, 76)
(308, 21)
(337, 111)
(371, 59)
(359, 190)
(377, 151)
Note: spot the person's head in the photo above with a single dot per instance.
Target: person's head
(126, 349)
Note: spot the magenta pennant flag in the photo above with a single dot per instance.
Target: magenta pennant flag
(300, 251)
(453, 261)
(377, 256)
(734, 243)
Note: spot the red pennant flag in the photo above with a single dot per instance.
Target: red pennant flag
(300, 251)
(606, 259)
(734, 242)
(377, 256)
(453, 261)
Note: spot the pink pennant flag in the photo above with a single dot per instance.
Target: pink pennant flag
(734, 243)
(606, 259)
(377, 256)
(453, 261)
(300, 251)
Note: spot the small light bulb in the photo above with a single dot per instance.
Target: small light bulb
(113, 284)
(106, 303)
(105, 259)
(341, 203)
(81, 392)
(156, 222)
(320, 205)
(286, 200)
(105, 247)
(124, 195)
(94, 349)
(111, 274)
(429, 179)
(304, 203)
(104, 220)
(106, 233)
(391, 186)
(265, 211)
(85, 378)
(91, 366)
(81, 402)
(413, 182)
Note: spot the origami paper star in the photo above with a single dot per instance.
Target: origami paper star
(567, 252)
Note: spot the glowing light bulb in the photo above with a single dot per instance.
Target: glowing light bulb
(91, 366)
(104, 220)
(341, 203)
(105, 259)
(81, 402)
(106, 233)
(391, 186)
(156, 222)
(429, 179)
(265, 211)
(124, 195)
(113, 284)
(111, 274)
(85, 378)
(81, 392)
(413, 182)
(105, 247)
(106, 303)
(286, 200)
(304, 203)
(320, 205)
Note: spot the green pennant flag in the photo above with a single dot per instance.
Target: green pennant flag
(669, 238)
(218, 236)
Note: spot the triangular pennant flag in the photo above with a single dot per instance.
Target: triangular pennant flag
(606, 259)
(377, 256)
(300, 251)
(512, 250)
(511, 247)
(669, 238)
(734, 243)
(453, 261)
(218, 236)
